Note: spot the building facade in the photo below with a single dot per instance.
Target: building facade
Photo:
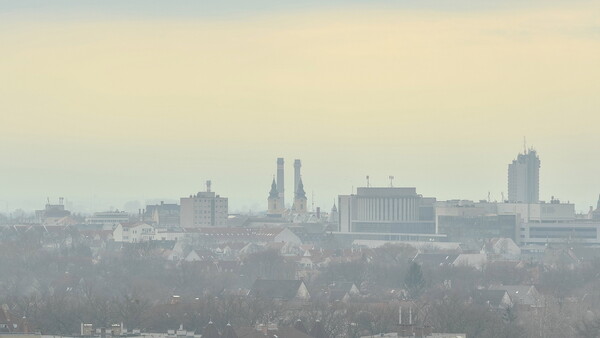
(108, 218)
(386, 210)
(163, 214)
(574, 231)
(203, 209)
(524, 178)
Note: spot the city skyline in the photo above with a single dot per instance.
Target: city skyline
(261, 206)
(299, 169)
(147, 109)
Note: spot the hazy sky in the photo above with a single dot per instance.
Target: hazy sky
(105, 102)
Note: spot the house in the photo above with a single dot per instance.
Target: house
(192, 256)
(285, 290)
(560, 257)
(475, 260)
(523, 295)
(347, 287)
(494, 299)
(435, 259)
(134, 232)
(210, 331)
(305, 262)
(245, 235)
(342, 291)
(169, 234)
(11, 324)
(271, 331)
(250, 248)
(503, 248)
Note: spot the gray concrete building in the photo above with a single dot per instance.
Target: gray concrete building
(524, 178)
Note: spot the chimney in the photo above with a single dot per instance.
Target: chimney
(319, 212)
(297, 175)
(208, 184)
(281, 182)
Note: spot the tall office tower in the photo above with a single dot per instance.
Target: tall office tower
(297, 166)
(524, 178)
(280, 182)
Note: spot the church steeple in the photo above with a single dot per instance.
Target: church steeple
(273, 193)
(274, 208)
(333, 215)
(300, 199)
(300, 193)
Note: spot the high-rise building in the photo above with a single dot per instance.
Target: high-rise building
(281, 182)
(203, 209)
(524, 178)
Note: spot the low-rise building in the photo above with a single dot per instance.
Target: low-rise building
(245, 235)
(386, 210)
(524, 295)
(163, 214)
(282, 290)
(134, 232)
(108, 218)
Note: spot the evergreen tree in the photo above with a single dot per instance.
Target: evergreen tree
(414, 280)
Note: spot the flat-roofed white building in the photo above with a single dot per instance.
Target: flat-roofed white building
(386, 210)
(108, 218)
(576, 231)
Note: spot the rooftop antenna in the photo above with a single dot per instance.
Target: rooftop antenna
(524, 145)
(312, 202)
(391, 181)
(368, 183)
(489, 198)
